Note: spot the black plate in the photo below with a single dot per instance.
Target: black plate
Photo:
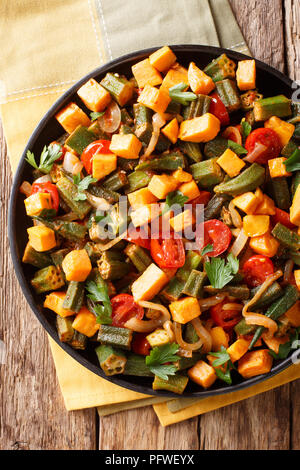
(269, 81)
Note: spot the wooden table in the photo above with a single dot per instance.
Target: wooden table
(31, 406)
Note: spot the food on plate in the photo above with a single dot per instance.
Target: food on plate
(199, 278)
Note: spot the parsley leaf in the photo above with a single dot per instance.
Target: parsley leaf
(293, 162)
(82, 185)
(225, 376)
(94, 115)
(49, 155)
(207, 249)
(246, 128)
(220, 273)
(285, 349)
(173, 198)
(98, 292)
(223, 359)
(237, 148)
(156, 361)
(177, 94)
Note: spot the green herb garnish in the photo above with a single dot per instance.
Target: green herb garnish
(98, 292)
(178, 94)
(82, 185)
(293, 162)
(156, 361)
(246, 128)
(237, 148)
(94, 115)
(49, 155)
(174, 198)
(207, 249)
(221, 273)
(223, 359)
(286, 348)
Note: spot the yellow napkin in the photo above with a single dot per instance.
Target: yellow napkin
(45, 48)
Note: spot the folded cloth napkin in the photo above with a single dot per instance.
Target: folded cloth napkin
(45, 48)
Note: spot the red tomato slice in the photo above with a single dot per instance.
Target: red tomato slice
(257, 269)
(227, 319)
(138, 236)
(124, 308)
(140, 344)
(215, 233)
(282, 217)
(266, 137)
(47, 188)
(99, 146)
(168, 253)
(218, 109)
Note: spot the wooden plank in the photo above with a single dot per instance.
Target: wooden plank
(262, 25)
(32, 412)
(139, 429)
(292, 37)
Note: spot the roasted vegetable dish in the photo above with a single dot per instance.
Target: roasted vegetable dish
(166, 222)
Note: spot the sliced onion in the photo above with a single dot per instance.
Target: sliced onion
(182, 343)
(43, 179)
(235, 216)
(158, 121)
(69, 161)
(235, 231)
(270, 279)
(256, 152)
(142, 326)
(235, 131)
(111, 119)
(111, 243)
(98, 202)
(77, 168)
(153, 306)
(25, 188)
(205, 304)
(232, 306)
(203, 334)
(168, 326)
(261, 320)
(239, 243)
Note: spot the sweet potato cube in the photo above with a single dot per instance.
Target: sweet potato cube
(255, 363)
(54, 302)
(154, 98)
(182, 176)
(94, 96)
(171, 130)
(203, 374)
(264, 245)
(199, 129)
(162, 59)
(231, 163)
(295, 208)
(162, 185)
(293, 314)
(247, 202)
(41, 238)
(237, 349)
(103, 164)
(141, 197)
(36, 203)
(71, 116)
(283, 129)
(77, 265)
(266, 207)
(199, 82)
(246, 75)
(256, 225)
(277, 167)
(145, 73)
(85, 322)
(125, 146)
(144, 214)
(149, 283)
(297, 277)
(185, 310)
(182, 221)
(176, 74)
(219, 338)
(190, 190)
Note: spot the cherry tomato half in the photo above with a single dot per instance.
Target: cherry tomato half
(47, 188)
(124, 308)
(218, 109)
(140, 344)
(168, 253)
(227, 319)
(99, 146)
(267, 137)
(282, 217)
(257, 269)
(138, 236)
(216, 233)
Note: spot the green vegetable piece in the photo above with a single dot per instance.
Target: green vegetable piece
(143, 122)
(173, 107)
(194, 284)
(49, 278)
(126, 118)
(249, 98)
(70, 230)
(286, 236)
(192, 261)
(80, 138)
(214, 206)
(176, 383)
(115, 181)
(190, 335)
(239, 292)
(137, 180)
(187, 362)
(79, 341)
(69, 191)
(273, 106)
(192, 150)
(178, 94)
(114, 336)
(207, 173)
(58, 256)
(74, 296)
(120, 88)
(269, 296)
(279, 190)
(64, 328)
(296, 182)
(138, 256)
(174, 289)
(229, 94)
(220, 68)
(105, 193)
(198, 107)
(111, 360)
(293, 162)
(169, 162)
(243, 329)
(112, 268)
(216, 147)
(248, 180)
(289, 149)
(93, 252)
(295, 256)
(136, 365)
(36, 258)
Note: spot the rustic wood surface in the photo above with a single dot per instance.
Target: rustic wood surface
(32, 413)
